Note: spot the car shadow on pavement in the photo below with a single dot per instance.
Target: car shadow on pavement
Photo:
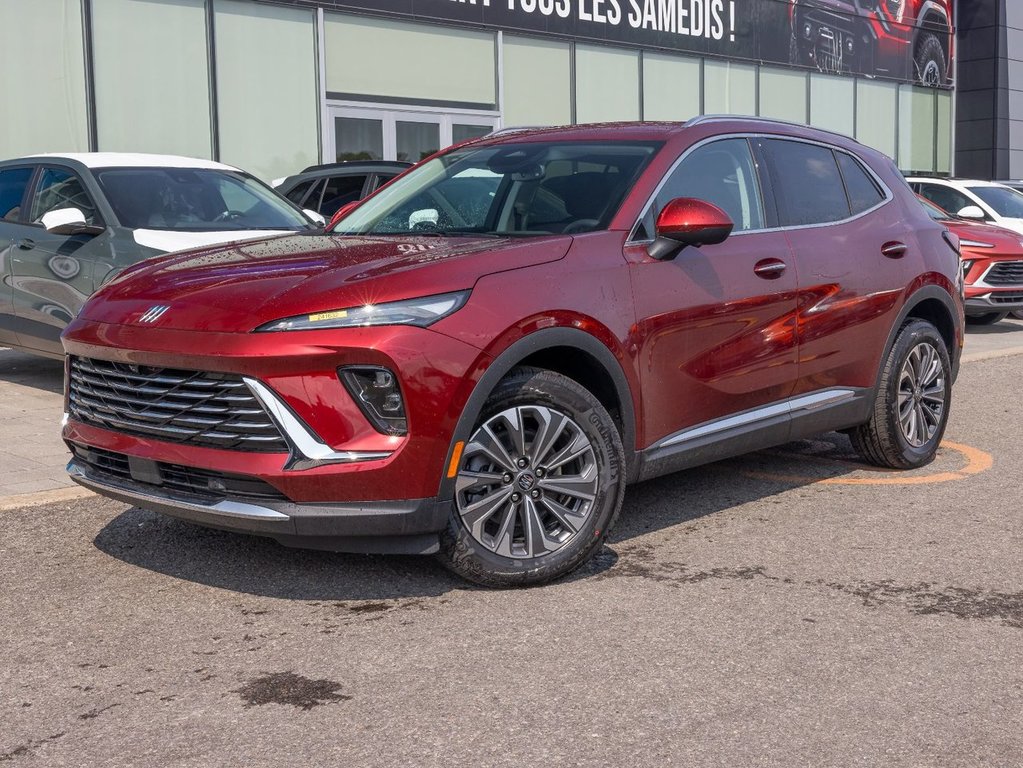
(254, 565)
(31, 371)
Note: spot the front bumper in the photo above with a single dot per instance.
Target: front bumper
(396, 527)
(994, 301)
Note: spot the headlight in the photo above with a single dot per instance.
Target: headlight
(975, 244)
(895, 9)
(422, 312)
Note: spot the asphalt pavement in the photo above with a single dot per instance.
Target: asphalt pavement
(789, 608)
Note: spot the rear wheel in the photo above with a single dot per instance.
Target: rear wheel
(539, 484)
(930, 60)
(1018, 313)
(989, 319)
(912, 402)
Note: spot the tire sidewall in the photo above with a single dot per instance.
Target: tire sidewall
(928, 49)
(913, 334)
(471, 559)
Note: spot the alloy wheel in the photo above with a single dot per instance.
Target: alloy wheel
(921, 394)
(527, 482)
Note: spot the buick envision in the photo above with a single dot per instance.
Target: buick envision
(479, 357)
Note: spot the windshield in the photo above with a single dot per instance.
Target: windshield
(519, 189)
(196, 200)
(1006, 202)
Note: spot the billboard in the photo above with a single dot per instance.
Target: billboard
(904, 40)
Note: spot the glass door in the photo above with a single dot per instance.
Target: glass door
(404, 134)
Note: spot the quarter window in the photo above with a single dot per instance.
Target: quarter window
(808, 185)
(863, 192)
(721, 173)
(59, 189)
(12, 191)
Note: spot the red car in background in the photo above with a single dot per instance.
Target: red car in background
(902, 39)
(992, 266)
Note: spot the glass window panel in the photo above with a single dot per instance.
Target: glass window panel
(341, 190)
(43, 63)
(358, 138)
(416, 141)
(729, 89)
(266, 87)
(783, 94)
(916, 128)
(299, 192)
(671, 87)
(876, 115)
(833, 103)
(606, 84)
(946, 198)
(863, 192)
(152, 78)
(528, 62)
(944, 132)
(464, 132)
(59, 189)
(378, 57)
(721, 173)
(808, 186)
(12, 190)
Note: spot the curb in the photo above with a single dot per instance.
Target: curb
(39, 498)
(972, 358)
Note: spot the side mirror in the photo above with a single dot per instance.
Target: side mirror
(343, 211)
(688, 221)
(314, 217)
(972, 212)
(68, 221)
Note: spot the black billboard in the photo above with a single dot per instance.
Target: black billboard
(905, 40)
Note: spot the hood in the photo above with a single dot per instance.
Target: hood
(240, 287)
(167, 240)
(1005, 241)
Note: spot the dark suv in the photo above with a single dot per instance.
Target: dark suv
(328, 188)
(478, 358)
(903, 39)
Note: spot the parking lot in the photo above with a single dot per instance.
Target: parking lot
(792, 607)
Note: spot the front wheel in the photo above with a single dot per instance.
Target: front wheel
(539, 484)
(929, 61)
(912, 401)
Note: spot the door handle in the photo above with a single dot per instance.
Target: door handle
(894, 249)
(27, 244)
(769, 269)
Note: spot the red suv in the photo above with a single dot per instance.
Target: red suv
(478, 358)
(904, 39)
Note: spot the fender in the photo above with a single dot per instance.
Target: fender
(923, 294)
(519, 351)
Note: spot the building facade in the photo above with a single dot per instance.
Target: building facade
(275, 86)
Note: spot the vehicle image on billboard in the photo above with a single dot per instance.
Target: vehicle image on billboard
(478, 358)
(984, 201)
(992, 266)
(68, 223)
(903, 39)
(327, 188)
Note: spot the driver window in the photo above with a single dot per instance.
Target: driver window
(58, 189)
(721, 173)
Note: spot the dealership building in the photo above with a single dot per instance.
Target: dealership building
(276, 86)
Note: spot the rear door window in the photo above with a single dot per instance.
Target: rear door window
(297, 195)
(341, 190)
(59, 188)
(807, 183)
(13, 183)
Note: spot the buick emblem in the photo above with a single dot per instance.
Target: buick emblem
(526, 481)
(153, 314)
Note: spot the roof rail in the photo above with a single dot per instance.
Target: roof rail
(700, 119)
(513, 129)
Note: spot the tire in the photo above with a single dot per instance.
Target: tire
(989, 319)
(1017, 314)
(912, 402)
(929, 61)
(511, 522)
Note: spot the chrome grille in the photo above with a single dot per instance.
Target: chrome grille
(215, 410)
(1005, 273)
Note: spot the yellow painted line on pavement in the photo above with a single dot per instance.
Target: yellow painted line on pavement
(7, 503)
(977, 461)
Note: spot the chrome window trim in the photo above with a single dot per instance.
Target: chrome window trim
(307, 449)
(888, 194)
(792, 405)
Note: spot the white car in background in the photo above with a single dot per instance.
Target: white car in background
(986, 201)
(71, 222)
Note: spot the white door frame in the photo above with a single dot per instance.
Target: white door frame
(389, 115)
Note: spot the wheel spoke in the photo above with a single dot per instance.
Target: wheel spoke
(477, 482)
(571, 521)
(479, 512)
(513, 418)
(579, 486)
(569, 453)
(487, 443)
(537, 541)
(505, 535)
(551, 425)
